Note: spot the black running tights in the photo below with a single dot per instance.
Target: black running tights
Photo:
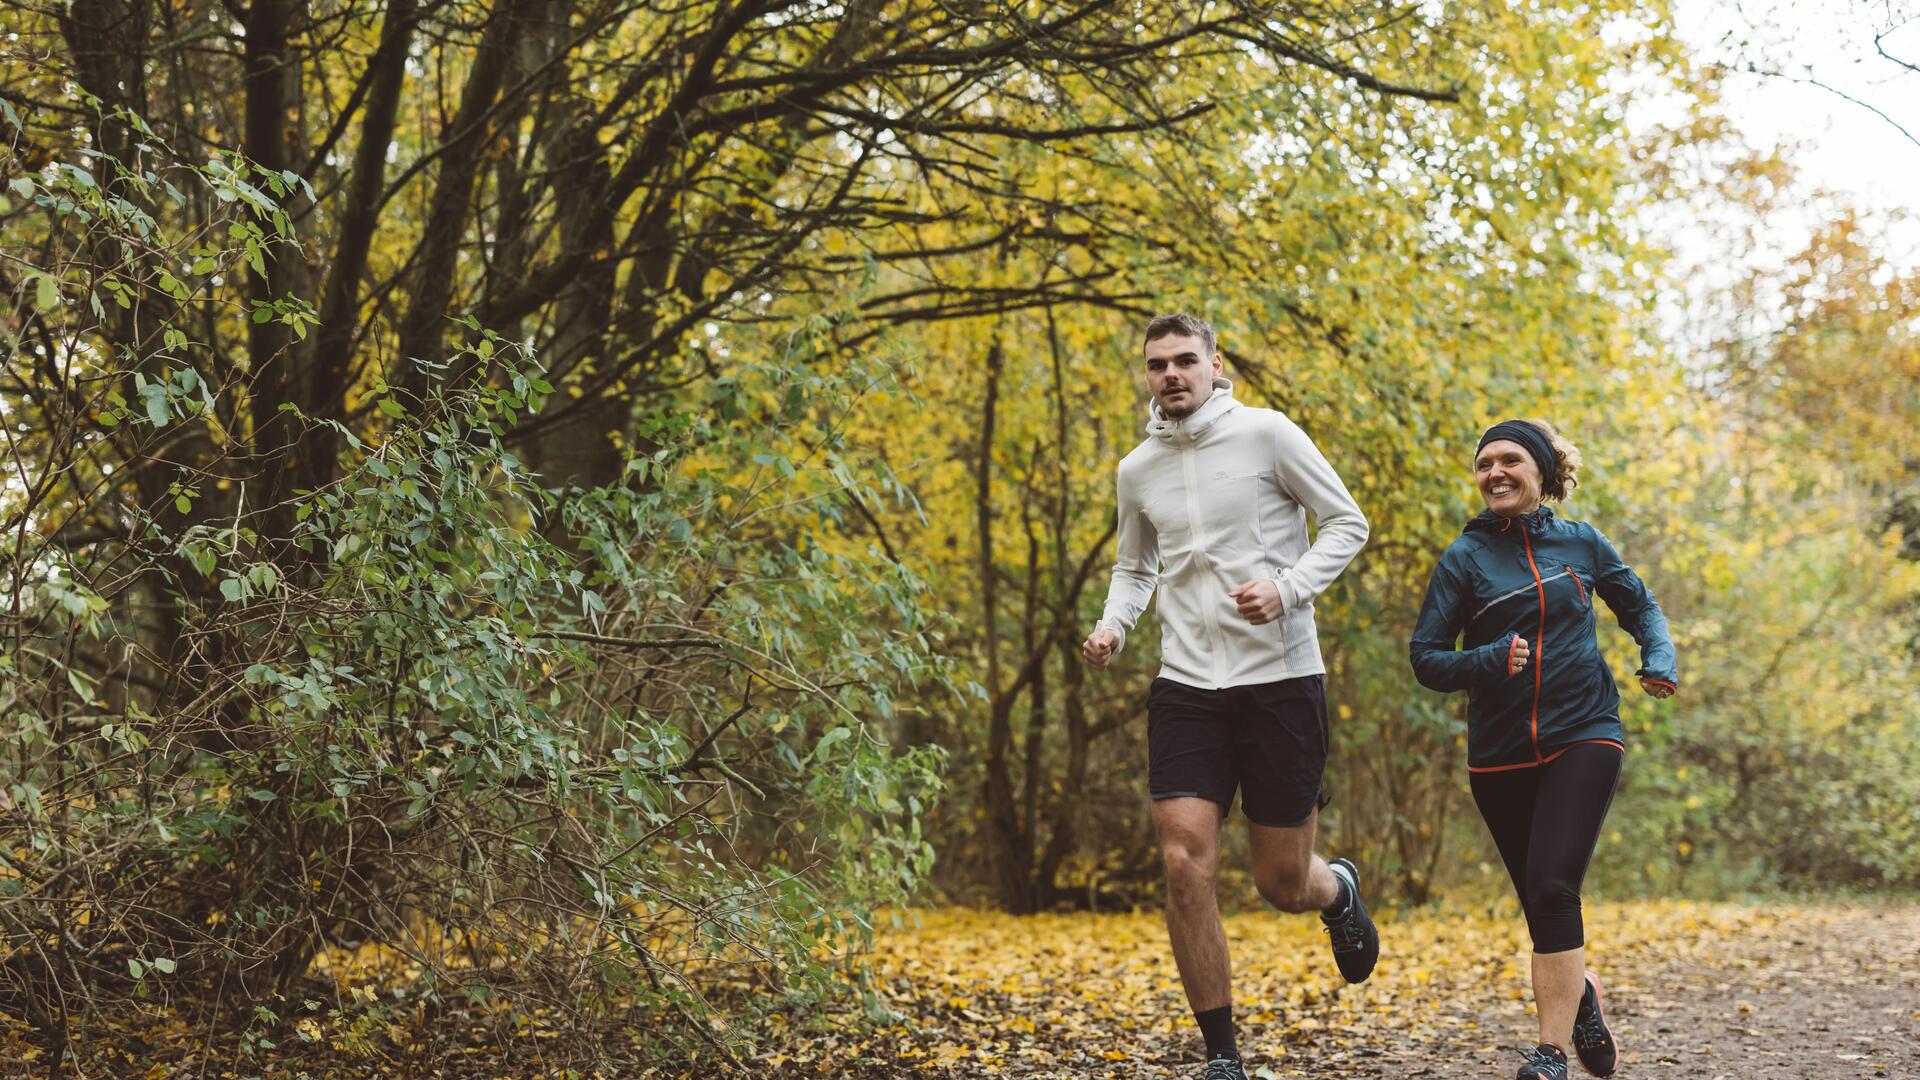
(1545, 821)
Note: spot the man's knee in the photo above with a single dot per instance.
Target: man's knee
(1285, 889)
(1190, 866)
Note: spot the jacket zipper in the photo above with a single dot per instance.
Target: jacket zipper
(1198, 540)
(1268, 568)
(1539, 644)
(1577, 584)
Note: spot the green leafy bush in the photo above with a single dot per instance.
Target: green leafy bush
(431, 725)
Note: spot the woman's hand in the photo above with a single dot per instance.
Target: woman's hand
(1659, 688)
(1518, 654)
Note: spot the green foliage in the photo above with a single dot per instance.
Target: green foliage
(1785, 763)
(446, 730)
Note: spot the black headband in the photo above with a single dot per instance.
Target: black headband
(1531, 439)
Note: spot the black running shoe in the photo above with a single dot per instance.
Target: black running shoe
(1356, 944)
(1225, 1069)
(1593, 1041)
(1544, 1062)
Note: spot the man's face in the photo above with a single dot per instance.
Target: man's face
(1179, 373)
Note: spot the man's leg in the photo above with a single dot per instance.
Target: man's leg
(1289, 875)
(1280, 759)
(1189, 831)
(1190, 776)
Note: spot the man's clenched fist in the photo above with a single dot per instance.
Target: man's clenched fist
(1258, 600)
(1098, 648)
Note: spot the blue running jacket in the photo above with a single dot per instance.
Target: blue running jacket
(1533, 577)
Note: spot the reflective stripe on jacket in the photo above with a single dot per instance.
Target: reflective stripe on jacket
(1533, 577)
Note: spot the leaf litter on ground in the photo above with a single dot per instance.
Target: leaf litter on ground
(1820, 992)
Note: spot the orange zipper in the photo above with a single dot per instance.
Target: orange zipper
(1577, 584)
(1540, 644)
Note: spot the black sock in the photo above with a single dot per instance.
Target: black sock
(1340, 902)
(1217, 1026)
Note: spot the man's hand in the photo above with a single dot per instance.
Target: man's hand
(1517, 656)
(1258, 600)
(1657, 687)
(1098, 648)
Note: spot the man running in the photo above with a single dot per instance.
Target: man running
(1213, 507)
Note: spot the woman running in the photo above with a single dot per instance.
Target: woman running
(1544, 740)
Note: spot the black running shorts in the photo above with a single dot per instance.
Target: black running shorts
(1268, 741)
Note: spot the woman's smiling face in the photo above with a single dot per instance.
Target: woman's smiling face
(1509, 479)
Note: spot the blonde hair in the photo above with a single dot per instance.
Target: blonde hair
(1558, 486)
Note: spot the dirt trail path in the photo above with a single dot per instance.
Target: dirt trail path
(1828, 995)
(1701, 992)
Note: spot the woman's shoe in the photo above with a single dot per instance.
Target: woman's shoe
(1544, 1062)
(1593, 1041)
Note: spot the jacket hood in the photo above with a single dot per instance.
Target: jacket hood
(1488, 521)
(1217, 405)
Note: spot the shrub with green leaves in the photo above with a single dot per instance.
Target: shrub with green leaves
(577, 752)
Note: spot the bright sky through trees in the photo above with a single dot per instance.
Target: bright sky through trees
(1806, 77)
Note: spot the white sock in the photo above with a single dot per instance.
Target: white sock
(1345, 899)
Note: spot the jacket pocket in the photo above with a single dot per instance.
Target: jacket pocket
(1167, 513)
(1580, 587)
(1234, 508)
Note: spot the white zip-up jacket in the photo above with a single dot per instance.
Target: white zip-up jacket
(1214, 499)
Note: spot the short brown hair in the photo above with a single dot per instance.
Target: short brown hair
(1566, 478)
(1180, 322)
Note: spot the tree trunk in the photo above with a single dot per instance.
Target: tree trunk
(580, 450)
(422, 332)
(1010, 870)
(334, 339)
(271, 94)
